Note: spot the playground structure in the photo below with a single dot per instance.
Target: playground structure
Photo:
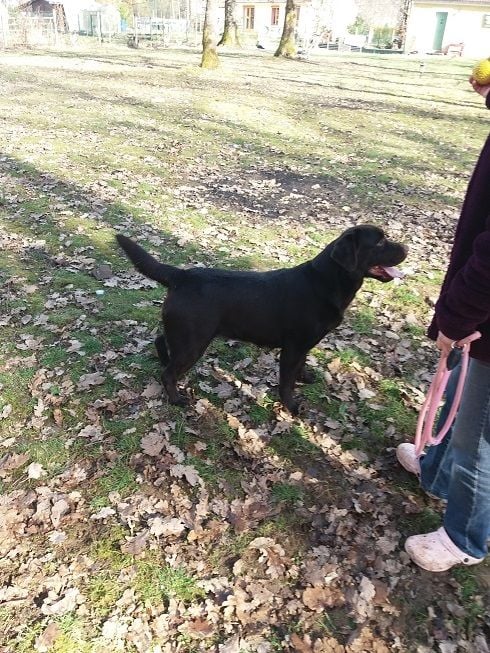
(165, 32)
(52, 23)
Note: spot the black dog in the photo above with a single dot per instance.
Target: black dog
(291, 309)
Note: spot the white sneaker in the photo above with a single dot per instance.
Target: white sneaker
(407, 458)
(437, 552)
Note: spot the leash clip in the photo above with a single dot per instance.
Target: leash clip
(454, 356)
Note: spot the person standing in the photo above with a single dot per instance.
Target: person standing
(458, 469)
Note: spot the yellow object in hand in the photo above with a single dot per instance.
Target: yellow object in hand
(481, 72)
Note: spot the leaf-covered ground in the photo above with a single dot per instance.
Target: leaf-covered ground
(130, 525)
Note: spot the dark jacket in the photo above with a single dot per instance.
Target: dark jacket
(464, 303)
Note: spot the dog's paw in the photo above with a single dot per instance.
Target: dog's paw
(181, 401)
(293, 407)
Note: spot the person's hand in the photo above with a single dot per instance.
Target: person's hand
(483, 90)
(444, 343)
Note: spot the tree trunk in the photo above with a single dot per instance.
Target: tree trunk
(230, 31)
(209, 37)
(401, 27)
(287, 45)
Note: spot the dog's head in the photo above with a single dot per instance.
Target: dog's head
(365, 251)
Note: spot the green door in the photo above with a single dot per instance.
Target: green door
(441, 20)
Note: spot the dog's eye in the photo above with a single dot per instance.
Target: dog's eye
(381, 242)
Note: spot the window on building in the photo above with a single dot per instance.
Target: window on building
(275, 16)
(485, 20)
(249, 17)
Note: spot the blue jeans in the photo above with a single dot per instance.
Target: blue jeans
(458, 469)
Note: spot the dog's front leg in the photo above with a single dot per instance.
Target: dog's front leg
(291, 363)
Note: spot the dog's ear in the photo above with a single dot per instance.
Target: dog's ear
(345, 252)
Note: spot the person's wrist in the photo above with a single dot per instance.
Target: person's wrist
(444, 343)
(483, 90)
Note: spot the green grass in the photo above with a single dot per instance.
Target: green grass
(146, 364)
(103, 590)
(54, 356)
(315, 392)
(405, 297)
(353, 355)
(259, 414)
(90, 344)
(415, 331)
(294, 445)
(286, 528)
(72, 637)
(364, 321)
(118, 478)
(336, 622)
(127, 437)
(391, 411)
(286, 493)
(52, 453)
(14, 386)
(116, 340)
(156, 582)
(122, 305)
(106, 547)
(423, 522)
(65, 316)
(25, 643)
(472, 595)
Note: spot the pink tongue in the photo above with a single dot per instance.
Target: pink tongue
(393, 272)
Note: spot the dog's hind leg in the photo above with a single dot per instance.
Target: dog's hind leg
(185, 346)
(291, 363)
(176, 368)
(162, 351)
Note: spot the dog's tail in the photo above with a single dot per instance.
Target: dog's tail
(146, 264)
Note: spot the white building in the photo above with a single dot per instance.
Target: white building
(264, 19)
(434, 25)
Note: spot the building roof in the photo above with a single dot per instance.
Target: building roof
(473, 3)
(77, 5)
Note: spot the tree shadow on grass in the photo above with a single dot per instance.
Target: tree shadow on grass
(221, 186)
(130, 59)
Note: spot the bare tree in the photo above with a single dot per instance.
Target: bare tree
(287, 45)
(230, 31)
(401, 26)
(209, 36)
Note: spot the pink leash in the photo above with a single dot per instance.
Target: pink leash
(425, 424)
